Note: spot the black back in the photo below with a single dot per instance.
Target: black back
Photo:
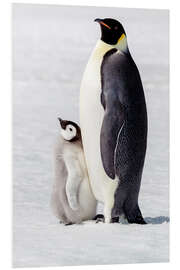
(124, 129)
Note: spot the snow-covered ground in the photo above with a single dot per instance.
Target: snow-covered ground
(51, 45)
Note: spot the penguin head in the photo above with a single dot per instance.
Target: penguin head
(70, 131)
(113, 33)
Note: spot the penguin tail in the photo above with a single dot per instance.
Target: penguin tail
(126, 201)
(134, 215)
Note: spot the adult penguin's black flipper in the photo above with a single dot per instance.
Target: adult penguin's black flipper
(111, 127)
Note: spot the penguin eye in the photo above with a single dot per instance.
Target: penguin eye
(116, 27)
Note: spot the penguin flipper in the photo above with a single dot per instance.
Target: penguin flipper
(111, 128)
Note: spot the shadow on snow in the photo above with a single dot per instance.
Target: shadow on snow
(149, 220)
(156, 220)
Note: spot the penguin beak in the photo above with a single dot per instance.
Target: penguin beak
(61, 122)
(100, 21)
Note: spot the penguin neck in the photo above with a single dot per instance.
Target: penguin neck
(100, 49)
(122, 45)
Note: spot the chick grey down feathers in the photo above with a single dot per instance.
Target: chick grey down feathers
(72, 200)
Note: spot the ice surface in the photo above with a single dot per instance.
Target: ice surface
(51, 45)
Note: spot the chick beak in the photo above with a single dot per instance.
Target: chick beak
(61, 122)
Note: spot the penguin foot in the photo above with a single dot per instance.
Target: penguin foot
(69, 223)
(115, 220)
(99, 218)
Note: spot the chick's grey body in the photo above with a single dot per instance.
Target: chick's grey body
(124, 130)
(72, 200)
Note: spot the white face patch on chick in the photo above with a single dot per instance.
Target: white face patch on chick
(69, 132)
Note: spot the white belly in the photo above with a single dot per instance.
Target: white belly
(91, 117)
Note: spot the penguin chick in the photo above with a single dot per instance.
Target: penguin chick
(72, 200)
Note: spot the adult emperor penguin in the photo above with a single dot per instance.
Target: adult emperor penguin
(113, 120)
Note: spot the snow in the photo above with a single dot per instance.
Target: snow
(51, 45)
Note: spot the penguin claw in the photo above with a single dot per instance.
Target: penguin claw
(99, 218)
(115, 220)
(69, 223)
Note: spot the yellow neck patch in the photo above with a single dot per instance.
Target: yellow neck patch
(121, 38)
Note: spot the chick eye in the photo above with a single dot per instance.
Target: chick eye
(70, 129)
